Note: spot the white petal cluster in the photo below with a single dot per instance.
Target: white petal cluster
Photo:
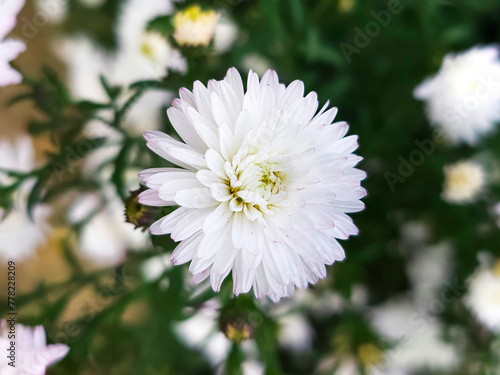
(19, 234)
(464, 181)
(264, 185)
(9, 48)
(32, 354)
(463, 98)
(483, 296)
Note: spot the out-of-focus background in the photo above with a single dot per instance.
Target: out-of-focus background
(419, 291)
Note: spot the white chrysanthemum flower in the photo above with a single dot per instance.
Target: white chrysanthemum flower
(19, 234)
(483, 296)
(265, 185)
(32, 355)
(9, 48)
(418, 336)
(194, 26)
(464, 181)
(463, 98)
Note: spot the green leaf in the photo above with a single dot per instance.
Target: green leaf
(35, 195)
(146, 85)
(298, 13)
(19, 98)
(162, 25)
(39, 127)
(118, 176)
(111, 91)
(271, 10)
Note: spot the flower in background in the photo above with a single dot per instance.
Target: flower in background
(428, 269)
(201, 332)
(105, 237)
(20, 235)
(195, 27)
(9, 48)
(264, 188)
(463, 99)
(483, 296)
(256, 63)
(142, 54)
(32, 354)
(226, 34)
(296, 332)
(55, 11)
(417, 335)
(463, 182)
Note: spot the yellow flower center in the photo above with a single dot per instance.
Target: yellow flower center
(147, 50)
(370, 355)
(191, 14)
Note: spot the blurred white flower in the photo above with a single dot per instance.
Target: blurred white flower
(295, 333)
(153, 268)
(463, 99)
(106, 237)
(85, 63)
(418, 338)
(143, 55)
(483, 296)
(265, 188)
(201, 332)
(256, 63)
(9, 48)
(416, 232)
(194, 26)
(463, 182)
(32, 355)
(226, 34)
(54, 11)
(252, 368)
(428, 269)
(19, 234)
